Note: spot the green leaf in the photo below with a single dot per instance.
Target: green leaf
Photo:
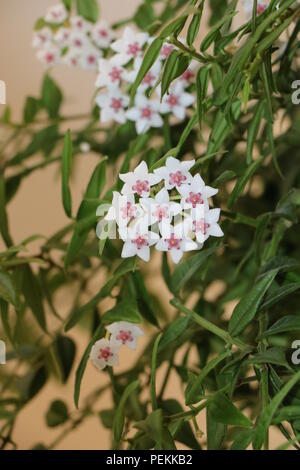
(174, 331)
(43, 141)
(288, 413)
(66, 170)
(125, 267)
(154, 427)
(280, 293)
(215, 432)
(215, 31)
(174, 27)
(223, 411)
(176, 64)
(281, 263)
(83, 362)
(243, 440)
(186, 269)
(3, 215)
(254, 128)
(144, 16)
(57, 414)
(31, 108)
(153, 373)
(247, 307)
(89, 9)
(8, 290)
(125, 310)
(194, 25)
(86, 209)
(51, 97)
(191, 396)
(242, 181)
(270, 356)
(119, 420)
(268, 413)
(150, 57)
(202, 81)
(33, 295)
(65, 349)
(144, 299)
(287, 323)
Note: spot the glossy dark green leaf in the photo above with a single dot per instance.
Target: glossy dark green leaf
(247, 307)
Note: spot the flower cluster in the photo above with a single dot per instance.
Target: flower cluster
(118, 72)
(146, 212)
(70, 39)
(105, 351)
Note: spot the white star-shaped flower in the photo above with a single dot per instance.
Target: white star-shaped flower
(175, 173)
(62, 37)
(160, 209)
(138, 240)
(78, 41)
(149, 79)
(139, 181)
(104, 353)
(102, 34)
(145, 113)
(124, 333)
(42, 37)
(176, 101)
(71, 58)
(89, 58)
(109, 73)
(50, 55)
(80, 24)
(129, 46)
(196, 192)
(113, 104)
(56, 14)
(176, 242)
(123, 209)
(207, 225)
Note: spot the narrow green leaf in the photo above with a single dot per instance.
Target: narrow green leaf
(285, 324)
(254, 128)
(247, 307)
(280, 293)
(267, 414)
(242, 181)
(3, 215)
(153, 373)
(33, 295)
(225, 412)
(118, 425)
(66, 170)
(8, 290)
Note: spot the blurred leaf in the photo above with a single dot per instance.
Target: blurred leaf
(51, 97)
(66, 170)
(89, 9)
(120, 412)
(3, 215)
(155, 428)
(125, 310)
(31, 108)
(8, 290)
(33, 295)
(287, 323)
(57, 414)
(223, 411)
(215, 432)
(65, 349)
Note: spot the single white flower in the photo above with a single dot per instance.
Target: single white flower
(124, 333)
(196, 192)
(42, 37)
(149, 79)
(112, 104)
(104, 353)
(175, 173)
(129, 46)
(248, 6)
(176, 101)
(138, 240)
(62, 37)
(89, 58)
(207, 225)
(80, 24)
(56, 14)
(78, 41)
(176, 242)
(160, 209)
(50, 55)
(71, 58)
(123, 209)
(139, 181)
(145, 113)
(102, 34)
(109, 73)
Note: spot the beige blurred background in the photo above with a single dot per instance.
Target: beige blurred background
(37, 208)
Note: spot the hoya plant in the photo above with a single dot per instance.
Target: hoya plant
(195, 122)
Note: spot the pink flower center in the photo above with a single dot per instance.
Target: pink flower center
(187, 75)
(194, 199)
(173, 243)
(102, 33)
(74, 61)
(141, 186)
(146, 112)
(166, 50)
(105, 353)
(43, 37)
(173, 100)
(49, 58)
(201, 226)
(79, 24)
(140, 241)
(77, 42)
(177, 178)
(91, 59)
(115, 74)
(161, 212)
(133, 49)
(124, 336)
(116, 104)
(261, 9)
(128, 211)
(148, 78)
